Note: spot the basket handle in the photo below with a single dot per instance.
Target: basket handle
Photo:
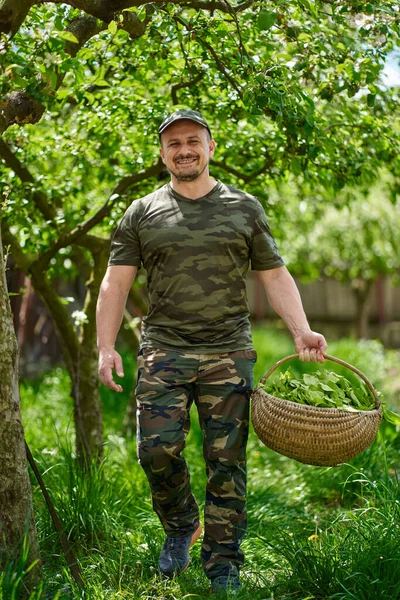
(334, 359)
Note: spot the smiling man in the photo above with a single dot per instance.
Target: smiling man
(196, 237)
(190, 162)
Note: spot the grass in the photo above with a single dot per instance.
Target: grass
(314, 533)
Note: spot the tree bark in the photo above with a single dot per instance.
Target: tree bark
(19, 109)
(12, 14)
(87, 406)
(16, 512)
(131, 339)
(85, 389)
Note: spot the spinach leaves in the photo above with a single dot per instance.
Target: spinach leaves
(326, 389)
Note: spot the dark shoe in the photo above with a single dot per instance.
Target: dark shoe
(174, 556)
(226, 583)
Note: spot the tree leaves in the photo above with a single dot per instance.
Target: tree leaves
(266, 19)
(272, 98)
(68, 36)
(112, 27)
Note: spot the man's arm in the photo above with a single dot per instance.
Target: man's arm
(284, 298)
(110, 309)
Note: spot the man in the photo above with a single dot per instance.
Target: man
(196, 237)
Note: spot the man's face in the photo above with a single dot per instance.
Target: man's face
(186, 149)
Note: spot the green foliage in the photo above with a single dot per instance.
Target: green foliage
(369, 356)
(115, 403)
(276, 85)
(352, 237)
(293, 91)
(359, 241)
(266, 20)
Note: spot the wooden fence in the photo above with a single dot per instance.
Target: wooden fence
(331, 306)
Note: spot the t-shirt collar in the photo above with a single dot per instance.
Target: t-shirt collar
(210, 196)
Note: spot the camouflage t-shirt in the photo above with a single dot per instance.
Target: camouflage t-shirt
(196, 254)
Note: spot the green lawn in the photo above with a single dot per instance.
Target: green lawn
(314, 533)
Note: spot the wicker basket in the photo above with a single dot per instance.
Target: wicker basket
(313, 435)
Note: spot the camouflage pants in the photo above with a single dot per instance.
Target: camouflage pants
(220, 385)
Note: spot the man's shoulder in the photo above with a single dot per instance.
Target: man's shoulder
(231, 193)
(139, 205)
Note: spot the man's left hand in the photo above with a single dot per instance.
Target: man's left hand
(310, 346)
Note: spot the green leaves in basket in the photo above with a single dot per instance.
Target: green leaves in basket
(323, 388)
(327, 389)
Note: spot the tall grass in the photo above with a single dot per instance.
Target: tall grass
(316, 533)
(357, 555)
(16, 574)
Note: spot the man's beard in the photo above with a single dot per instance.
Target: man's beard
(191, 176)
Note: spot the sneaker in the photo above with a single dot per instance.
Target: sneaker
(226, 583)
(174, 556)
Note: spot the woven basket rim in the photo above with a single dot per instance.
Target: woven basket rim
(309, 407)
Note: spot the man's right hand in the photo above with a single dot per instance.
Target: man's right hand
(109, 361)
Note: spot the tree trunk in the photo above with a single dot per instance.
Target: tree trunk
(16, 512)
(87, 406)
(85, 390)
(361, 289)
(131, 339)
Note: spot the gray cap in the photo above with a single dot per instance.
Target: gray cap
(192, 115)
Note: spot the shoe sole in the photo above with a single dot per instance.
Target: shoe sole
(194, 539)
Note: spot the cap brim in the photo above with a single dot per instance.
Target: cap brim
(165, 126)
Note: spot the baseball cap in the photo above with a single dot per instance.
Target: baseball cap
(192, 115)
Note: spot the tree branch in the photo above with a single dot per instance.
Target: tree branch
(210, 5)
(129, 180)
(77, 234)
(218, 62)
(103, 9)
(221, 67)
(57, 310)
(83, 28)
(39, 197)
(47, 292)
(88, 329)
(12, 14)
(94, 243)
(355, 125)
(184, 84)
(242, 48)
(243, 176)
(19, 109)
(21, 258)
